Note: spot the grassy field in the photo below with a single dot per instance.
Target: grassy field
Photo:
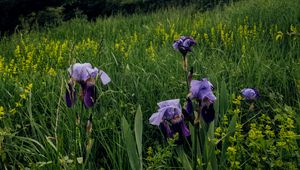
(245, 44)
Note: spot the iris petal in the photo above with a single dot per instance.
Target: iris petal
(208, 113)
(167, 110)
(89, 95)
(189, 106)
(70, 95)
(82, 72)
(184, 44)
(185, 130)
(250, 93)
(105, 79)
(165, 128)
(201, 89)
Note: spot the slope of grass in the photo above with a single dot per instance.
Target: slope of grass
(246, 44)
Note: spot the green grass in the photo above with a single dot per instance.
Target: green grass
(136, 52)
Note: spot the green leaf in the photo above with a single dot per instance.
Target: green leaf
(183, 159)
(51, 143)
(130, 145)
(138, 129)
(211, 146)
(209, 167)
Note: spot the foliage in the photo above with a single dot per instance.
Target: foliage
(244, 44)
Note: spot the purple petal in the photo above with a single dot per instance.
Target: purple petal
(176, 45)
(170, 112)
(105, 79)
(168, 103)
(70, 95)
(82, 72)
(202, 89)
(89, 95)
(250, 93)
(208, 113)
(181, 129)
(167, 110)
(189, 106)
(185, 130)
(189, 42)
(156, 118)
(165, 128)
(170, 108)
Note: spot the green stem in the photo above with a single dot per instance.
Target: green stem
(196, 128)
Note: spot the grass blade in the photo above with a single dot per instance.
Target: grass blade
(130, 145)
(138, 129)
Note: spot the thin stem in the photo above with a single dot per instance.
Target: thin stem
(196, 128)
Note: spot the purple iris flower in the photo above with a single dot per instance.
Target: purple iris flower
(250, 93)
(201, 90)
(85, 75)
(170, 119)
(184, 44)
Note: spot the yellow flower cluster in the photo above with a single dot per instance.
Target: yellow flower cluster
(237, 100)
(44, 57)
(121, 47)
(127, 46)
(2, 113)
(151, 52)
(87, 46)
(25, 92)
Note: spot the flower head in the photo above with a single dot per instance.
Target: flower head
(85, 71)
(250, 93)
(184, 44)
(201, 90)
(170, 119)
(168, 110)
(85, 75)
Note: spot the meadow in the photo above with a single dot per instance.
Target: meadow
(243, 44)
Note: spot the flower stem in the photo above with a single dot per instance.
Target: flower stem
(196, 128)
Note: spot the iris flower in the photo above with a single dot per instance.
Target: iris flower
(250, 94)
(201, 90)
(85, 75)
(183, 45)
(170, 119)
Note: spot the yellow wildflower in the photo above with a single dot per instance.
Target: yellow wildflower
(28, 88)
(218, 131)
(205, 35)
(17, 51)
(23, 96)
(237, 100)
(279, 36)
(293, 29)
(231, 150)
(18, 104)
(1, 112)
(1, 64)
(12, 111)
(52, 72)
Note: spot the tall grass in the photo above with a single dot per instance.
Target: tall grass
(246, 44)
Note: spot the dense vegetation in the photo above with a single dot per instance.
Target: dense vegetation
(20, 14)
(245, 44)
